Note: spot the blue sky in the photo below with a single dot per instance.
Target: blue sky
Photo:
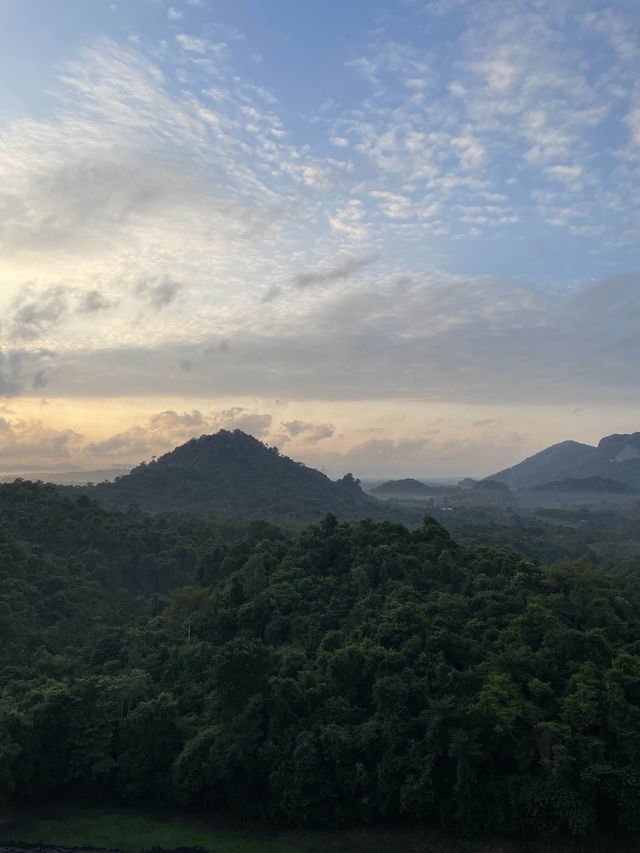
(396, 237)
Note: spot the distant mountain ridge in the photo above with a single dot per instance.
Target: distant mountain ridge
(234, 474)
(79, 477)
(615, 458)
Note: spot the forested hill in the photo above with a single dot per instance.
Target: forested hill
(347, 674)
(234, 474)
(406, 489)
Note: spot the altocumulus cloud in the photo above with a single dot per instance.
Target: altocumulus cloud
(183, 239)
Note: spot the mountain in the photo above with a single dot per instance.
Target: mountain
(490, 485)
(234, 474)
(547, 465)
(407, 489)
(576, 485)
(617, 458)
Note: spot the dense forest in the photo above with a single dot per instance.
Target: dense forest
(341, 674)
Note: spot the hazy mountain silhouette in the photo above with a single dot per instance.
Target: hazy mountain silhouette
(617, 458)
(232, 473)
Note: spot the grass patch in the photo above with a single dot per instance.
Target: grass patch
(133, 832)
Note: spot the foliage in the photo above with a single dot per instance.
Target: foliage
(346, 674)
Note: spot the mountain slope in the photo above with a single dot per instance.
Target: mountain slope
(617, 458)
(231, 473)
(549, 464)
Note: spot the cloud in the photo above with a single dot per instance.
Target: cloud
(165, 430)
(170, 420)
(344, 269)
(40, 448)
(348, 222)
(33, 441)
(34, 315)
(21, 369)
(11, 372)
(423, 457)
(444, 7)
(93, 301)
(191, 43)
(37, 311)
(308, 431)
(632, 119)
(39, 380)
(129, 180)
(341, 269)
(238, 418)
(518, 94)
(151, 218)
(441, 338)
(128, 445)
(159, 292)
(394, 206)
(616, 30)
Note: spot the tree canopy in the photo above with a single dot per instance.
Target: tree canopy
(347, 673)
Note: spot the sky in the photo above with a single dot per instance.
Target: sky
(393, 237)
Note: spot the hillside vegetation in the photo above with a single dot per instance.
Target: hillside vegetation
(346, 674)
(234, 474)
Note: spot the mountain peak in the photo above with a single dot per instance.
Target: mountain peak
(616, 458)
(232, 473)
(544, 466)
